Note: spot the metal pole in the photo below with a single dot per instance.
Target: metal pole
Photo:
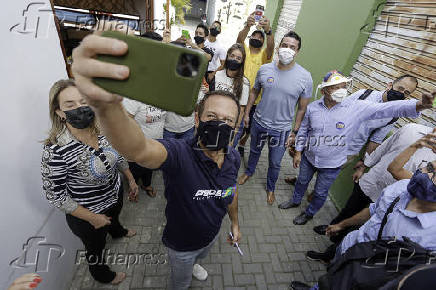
(168, 14)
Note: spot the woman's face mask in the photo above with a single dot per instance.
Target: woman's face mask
(421, 185)
(81, 117)
(233, 64)
(215, 135)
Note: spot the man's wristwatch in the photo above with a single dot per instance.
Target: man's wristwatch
(295, 132)
(269, 32)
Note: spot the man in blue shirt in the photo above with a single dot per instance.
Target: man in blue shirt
(284, 84)
(413, 216)
(328, 126)
(200, 175)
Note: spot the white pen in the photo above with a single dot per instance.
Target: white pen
(236, 244)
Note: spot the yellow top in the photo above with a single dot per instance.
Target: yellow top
(252, 65)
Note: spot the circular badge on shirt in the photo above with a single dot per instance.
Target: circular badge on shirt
(270, 80)
(340, 125)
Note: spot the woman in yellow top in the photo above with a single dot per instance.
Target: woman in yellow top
(256, 56)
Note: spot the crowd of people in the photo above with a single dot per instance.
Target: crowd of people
(96, 135)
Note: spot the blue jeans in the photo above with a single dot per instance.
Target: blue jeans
(182, 263)
(239, 134)
(276, 146)
(187, 135)
(325, 179)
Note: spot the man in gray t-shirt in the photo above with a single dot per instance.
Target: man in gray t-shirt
(285, 83)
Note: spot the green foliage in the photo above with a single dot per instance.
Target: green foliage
(181, 7)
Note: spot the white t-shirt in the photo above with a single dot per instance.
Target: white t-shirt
(179, 124)
(153, 127)
(223, 82)
(219, 54)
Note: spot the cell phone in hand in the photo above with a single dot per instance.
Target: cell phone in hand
(258, 13)
(185, 33)
(163, 75)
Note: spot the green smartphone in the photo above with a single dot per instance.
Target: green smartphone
(185, 33)
(163, 75)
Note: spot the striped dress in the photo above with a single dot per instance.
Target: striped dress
(74, 173)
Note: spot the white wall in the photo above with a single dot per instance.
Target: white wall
(28, 68)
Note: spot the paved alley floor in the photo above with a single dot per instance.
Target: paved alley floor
(274, 248)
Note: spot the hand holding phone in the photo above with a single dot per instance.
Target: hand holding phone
(258, 13)
(185, 33)
(171, 82)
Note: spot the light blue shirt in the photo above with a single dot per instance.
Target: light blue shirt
(378, 127)
(418, 227)
(281, 91)
(324, 133)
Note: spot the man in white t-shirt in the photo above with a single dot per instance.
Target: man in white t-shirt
(151, 120)
(219, 53)
(179, 127)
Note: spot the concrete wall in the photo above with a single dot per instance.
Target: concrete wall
(30, 66)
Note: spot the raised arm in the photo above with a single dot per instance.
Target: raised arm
(121, 130)
(396, 168)
(409, 108)
(242, 35)
(266, 25)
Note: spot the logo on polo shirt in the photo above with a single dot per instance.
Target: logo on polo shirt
(340, 125)
(270, 80)
(209, 193)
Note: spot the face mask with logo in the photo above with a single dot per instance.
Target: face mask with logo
(339, 95)
(256, 43)
(422, 187)
(81, 117)
(214, 135)
(393, 95)
(198, 39)
(286, 55)
(214, 31)
(232, 64)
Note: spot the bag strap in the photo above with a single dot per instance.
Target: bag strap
(365, 94)
(385, 218)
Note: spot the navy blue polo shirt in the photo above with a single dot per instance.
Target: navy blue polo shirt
(198, 194)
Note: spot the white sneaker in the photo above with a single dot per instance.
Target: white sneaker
(199, 272)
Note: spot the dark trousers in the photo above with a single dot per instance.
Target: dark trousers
(141, 173)
(94, 240)
(355, 204)
(211, 82)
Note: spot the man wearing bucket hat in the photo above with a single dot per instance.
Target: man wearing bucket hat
(327, 128)
(373, 132)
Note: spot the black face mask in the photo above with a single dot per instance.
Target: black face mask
(232, 64)
(81, 117)
(393, 95)
(214, 31)
(256, 43)
(198, 39)
(215, 135)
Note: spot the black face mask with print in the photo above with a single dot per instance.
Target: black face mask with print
(81, 117)
(393, 95)
(215, 135)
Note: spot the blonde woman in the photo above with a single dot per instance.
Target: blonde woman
(80, 173)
